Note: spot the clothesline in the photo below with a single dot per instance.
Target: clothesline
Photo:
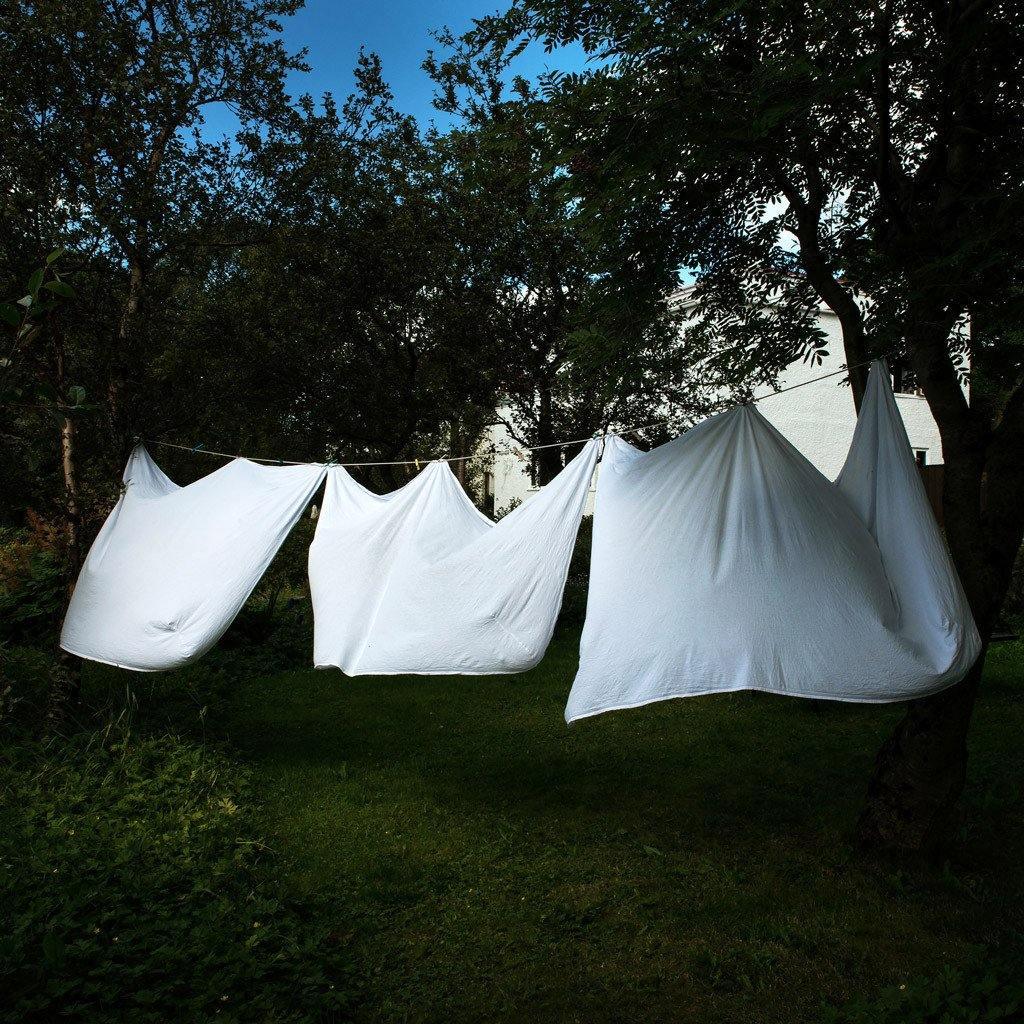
(200, 449)
(830, 589)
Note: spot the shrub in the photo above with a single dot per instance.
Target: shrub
(32, 588)
(574, 598)
(988, 987)
(135, 887)
(24, 686)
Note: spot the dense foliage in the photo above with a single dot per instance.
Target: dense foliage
(988, 987)
(136, 884)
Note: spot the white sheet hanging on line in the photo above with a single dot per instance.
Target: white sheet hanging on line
(724, 560)
(172, 566)
(419, 581)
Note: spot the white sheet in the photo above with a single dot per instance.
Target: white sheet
(419, 581)
(724, 560)
(172, 566)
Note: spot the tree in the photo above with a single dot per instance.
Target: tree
(862, 155)
(103, 156)
(107, 154)
(36, 356)
(364, 319)
(557, 341)
(34, 385)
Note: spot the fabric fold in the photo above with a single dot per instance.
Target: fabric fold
(172, 566)
(724, 561)
(419, 581)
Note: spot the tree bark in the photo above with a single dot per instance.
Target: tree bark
(547, 461)
(116, 382)
(66, 676)
(919, 774)
(830, 288)
(914, 792)
(72, 514)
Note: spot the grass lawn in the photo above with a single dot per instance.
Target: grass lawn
(686, 861)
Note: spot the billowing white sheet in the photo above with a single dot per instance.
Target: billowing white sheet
(172, 566)
(724, 560)
(419, 581)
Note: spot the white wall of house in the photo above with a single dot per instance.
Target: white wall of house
(818, 419)
(510, 476)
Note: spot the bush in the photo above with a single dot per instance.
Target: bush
(135, 887)
(989, 987)
(33, 588)
(574, 598)
(24, 686)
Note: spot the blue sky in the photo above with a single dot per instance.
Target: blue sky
(399, 30)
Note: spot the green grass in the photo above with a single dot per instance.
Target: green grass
(687, 861)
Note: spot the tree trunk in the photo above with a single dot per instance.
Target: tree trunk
(920, 771)
(116, 381)
(460, 467)
(66, 676)
(919, 774)
(547, 461)
(72, 515)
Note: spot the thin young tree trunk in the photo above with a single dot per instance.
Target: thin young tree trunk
(66, 675)
(455, 448)
(72, 513)
(116, 382)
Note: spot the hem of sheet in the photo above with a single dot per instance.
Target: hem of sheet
(112, 664)
(763, 689)
(431, 672)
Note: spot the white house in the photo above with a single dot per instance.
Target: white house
(817, 418)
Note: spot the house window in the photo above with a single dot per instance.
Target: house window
(903, 380)
(921, 456)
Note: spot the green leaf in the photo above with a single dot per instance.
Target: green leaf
(9, 314)
(35, 281)
(60, 288)
(76, 394)
(55, 255)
